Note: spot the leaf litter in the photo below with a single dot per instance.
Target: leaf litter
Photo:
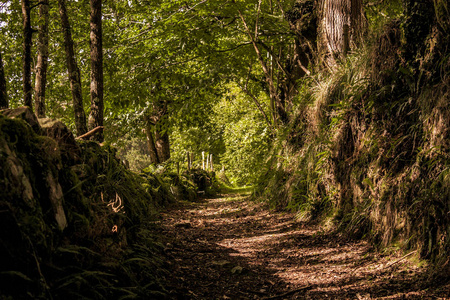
(231, 248)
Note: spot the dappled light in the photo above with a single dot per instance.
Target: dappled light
(211, 149)
(231, 248)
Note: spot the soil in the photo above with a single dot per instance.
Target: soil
(231, 248)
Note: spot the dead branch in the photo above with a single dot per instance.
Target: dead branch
(90, 133)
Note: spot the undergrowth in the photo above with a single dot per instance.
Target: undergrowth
(108, 248)
(368, 145)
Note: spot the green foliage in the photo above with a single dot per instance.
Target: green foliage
(180, 53)
(382, 13)
(245, 135)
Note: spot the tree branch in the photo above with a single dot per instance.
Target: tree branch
(37, 4)
(272, 89)
(90, 133)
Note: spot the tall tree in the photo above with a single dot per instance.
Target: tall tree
(3, 93)
(96, 114)
(26, 67)
(73, 70)
(42, 60)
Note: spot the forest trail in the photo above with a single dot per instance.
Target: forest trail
(231, 248)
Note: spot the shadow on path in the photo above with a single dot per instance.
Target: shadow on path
(230, 248)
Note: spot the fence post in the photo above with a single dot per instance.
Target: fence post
(203, 160)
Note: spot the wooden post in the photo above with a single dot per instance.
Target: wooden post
(207, 162)
(192, 160)
(211, 162)
(203, 160)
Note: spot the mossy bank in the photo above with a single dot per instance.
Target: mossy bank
(75, 222)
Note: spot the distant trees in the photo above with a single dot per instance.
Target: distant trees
(237, 41)
(190, 48)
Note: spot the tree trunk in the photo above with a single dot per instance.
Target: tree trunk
(96, 115)
(42, 61)
(27, 36)
(158, 141)
(162, 145)
(3, 94)
(341, 28)
(336, 17)
(151, 141)
(74, 72)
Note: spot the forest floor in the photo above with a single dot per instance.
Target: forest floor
(231, 248)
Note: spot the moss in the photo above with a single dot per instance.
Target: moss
(45, 259)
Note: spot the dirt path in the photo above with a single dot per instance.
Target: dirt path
(229, 248)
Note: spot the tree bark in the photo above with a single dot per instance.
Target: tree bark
(74, 72)
(342, 27)
(151, 141)
(96, 114)
(157, 139)
(162, 145)
(26, 67)
(337, 13)
(42, 61)
(3, 94)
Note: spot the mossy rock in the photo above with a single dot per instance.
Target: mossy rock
(25, 114)
(67, 144)
(38, 171)
(204, 181)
